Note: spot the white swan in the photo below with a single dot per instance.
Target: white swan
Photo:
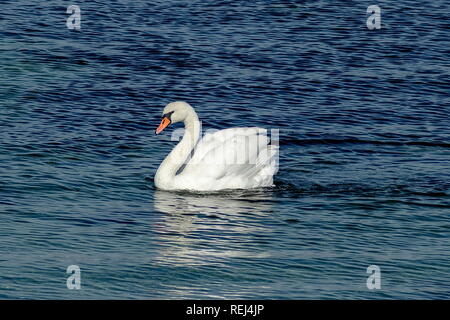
(234, 158)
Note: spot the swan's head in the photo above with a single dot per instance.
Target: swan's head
(174, 112)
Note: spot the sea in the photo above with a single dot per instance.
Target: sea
(357, 92)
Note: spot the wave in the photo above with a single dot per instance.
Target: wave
(339, 141)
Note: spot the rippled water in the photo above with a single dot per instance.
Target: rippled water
(364, 173)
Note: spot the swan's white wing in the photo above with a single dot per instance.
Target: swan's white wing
(237, 155)
(232, 139)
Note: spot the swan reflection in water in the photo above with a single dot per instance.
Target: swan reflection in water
(198, 229)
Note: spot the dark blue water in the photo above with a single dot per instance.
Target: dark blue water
(364, 175)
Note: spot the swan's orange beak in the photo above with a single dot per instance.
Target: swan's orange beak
(164, 123)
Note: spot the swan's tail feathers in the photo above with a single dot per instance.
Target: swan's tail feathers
(266, 166)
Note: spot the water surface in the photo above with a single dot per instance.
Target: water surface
(363, 118)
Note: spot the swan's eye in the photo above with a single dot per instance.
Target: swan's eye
(168, 115)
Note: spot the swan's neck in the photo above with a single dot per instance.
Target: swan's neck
(166, 173)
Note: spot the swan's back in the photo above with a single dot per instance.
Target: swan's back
(229, 159)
